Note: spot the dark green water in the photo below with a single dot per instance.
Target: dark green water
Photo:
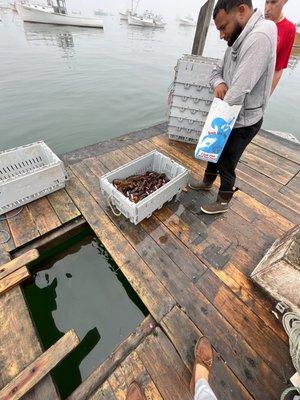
(81, 289)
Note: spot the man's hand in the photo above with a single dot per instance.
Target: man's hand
(220, 91)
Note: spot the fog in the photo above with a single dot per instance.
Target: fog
(168, 8)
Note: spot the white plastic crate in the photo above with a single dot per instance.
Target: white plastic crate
(153, 161)
(28, 173)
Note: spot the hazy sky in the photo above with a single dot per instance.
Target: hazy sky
(170, 8)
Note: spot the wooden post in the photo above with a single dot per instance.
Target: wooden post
(202, 27)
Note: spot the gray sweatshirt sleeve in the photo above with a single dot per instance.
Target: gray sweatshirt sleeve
(253, 62)
(217, 75)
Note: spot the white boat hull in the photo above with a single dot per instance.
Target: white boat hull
(135, 21)
(29, 14)
(123, 16)
(187, 22)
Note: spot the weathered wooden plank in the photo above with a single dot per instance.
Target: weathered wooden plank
(104, 393)
(118, 384)
(294, 183)
(169, 383)
(5, 236)
(100, 374)
(18, 262)
(134, 370)
(130, 263)
(202, 27)
(39, 368)
(286, 212)
(251, 296)
(63, 206)
(54, 238)
(267, 168)
(19, 345)
(181, 287)
(184, 335)
(22, 227)
(278, 147)
(278, 161)
(13, 279)
(278, 271)
(43, 215)
(255, 332)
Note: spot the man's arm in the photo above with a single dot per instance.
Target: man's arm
(253, 63)
(276, 79)
(217, 82)
(217, 75)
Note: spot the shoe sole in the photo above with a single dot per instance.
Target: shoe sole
(205, 189)
(213, 212)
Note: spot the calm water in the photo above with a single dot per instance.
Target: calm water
(82, 289)
(73, 87)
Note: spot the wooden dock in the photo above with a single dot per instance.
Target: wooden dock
(190, 270)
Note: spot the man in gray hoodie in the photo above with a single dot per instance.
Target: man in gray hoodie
(244, 77)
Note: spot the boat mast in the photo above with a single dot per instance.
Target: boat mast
(136, 6)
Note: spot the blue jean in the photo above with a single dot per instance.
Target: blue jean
(203, 391)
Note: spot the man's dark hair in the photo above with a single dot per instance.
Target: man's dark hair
(228, 5)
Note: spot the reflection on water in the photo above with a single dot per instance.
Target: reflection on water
(98, 84)
(50, 36)
(58, 36)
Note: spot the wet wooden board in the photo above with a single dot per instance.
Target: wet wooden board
(19, 345)
(100, 374)
(263, 309)
(13, 279)
(63, 206)
(39, 368)
(18, 262)
(37, 219)
(116, 158)
(184, 335)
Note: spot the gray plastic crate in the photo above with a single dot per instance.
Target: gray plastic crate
(153, 161)
(187, 113)
(183, 135)
(193, 91)
(193, 104)
(28, 173)
(195, 70)
(185, 123)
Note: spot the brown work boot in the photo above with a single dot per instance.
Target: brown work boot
(221, 204)
(135, 392)
(204, 356)
(206, 183)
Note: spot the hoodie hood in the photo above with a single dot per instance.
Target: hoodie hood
(257, 15)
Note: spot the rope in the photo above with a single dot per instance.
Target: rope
(289, 390)
(116, 213)
(291, 324)
(6, 234)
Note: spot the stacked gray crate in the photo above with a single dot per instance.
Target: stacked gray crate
(191, 98)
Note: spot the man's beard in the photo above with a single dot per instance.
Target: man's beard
(235, 34)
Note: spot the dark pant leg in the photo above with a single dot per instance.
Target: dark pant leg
(233, 150)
